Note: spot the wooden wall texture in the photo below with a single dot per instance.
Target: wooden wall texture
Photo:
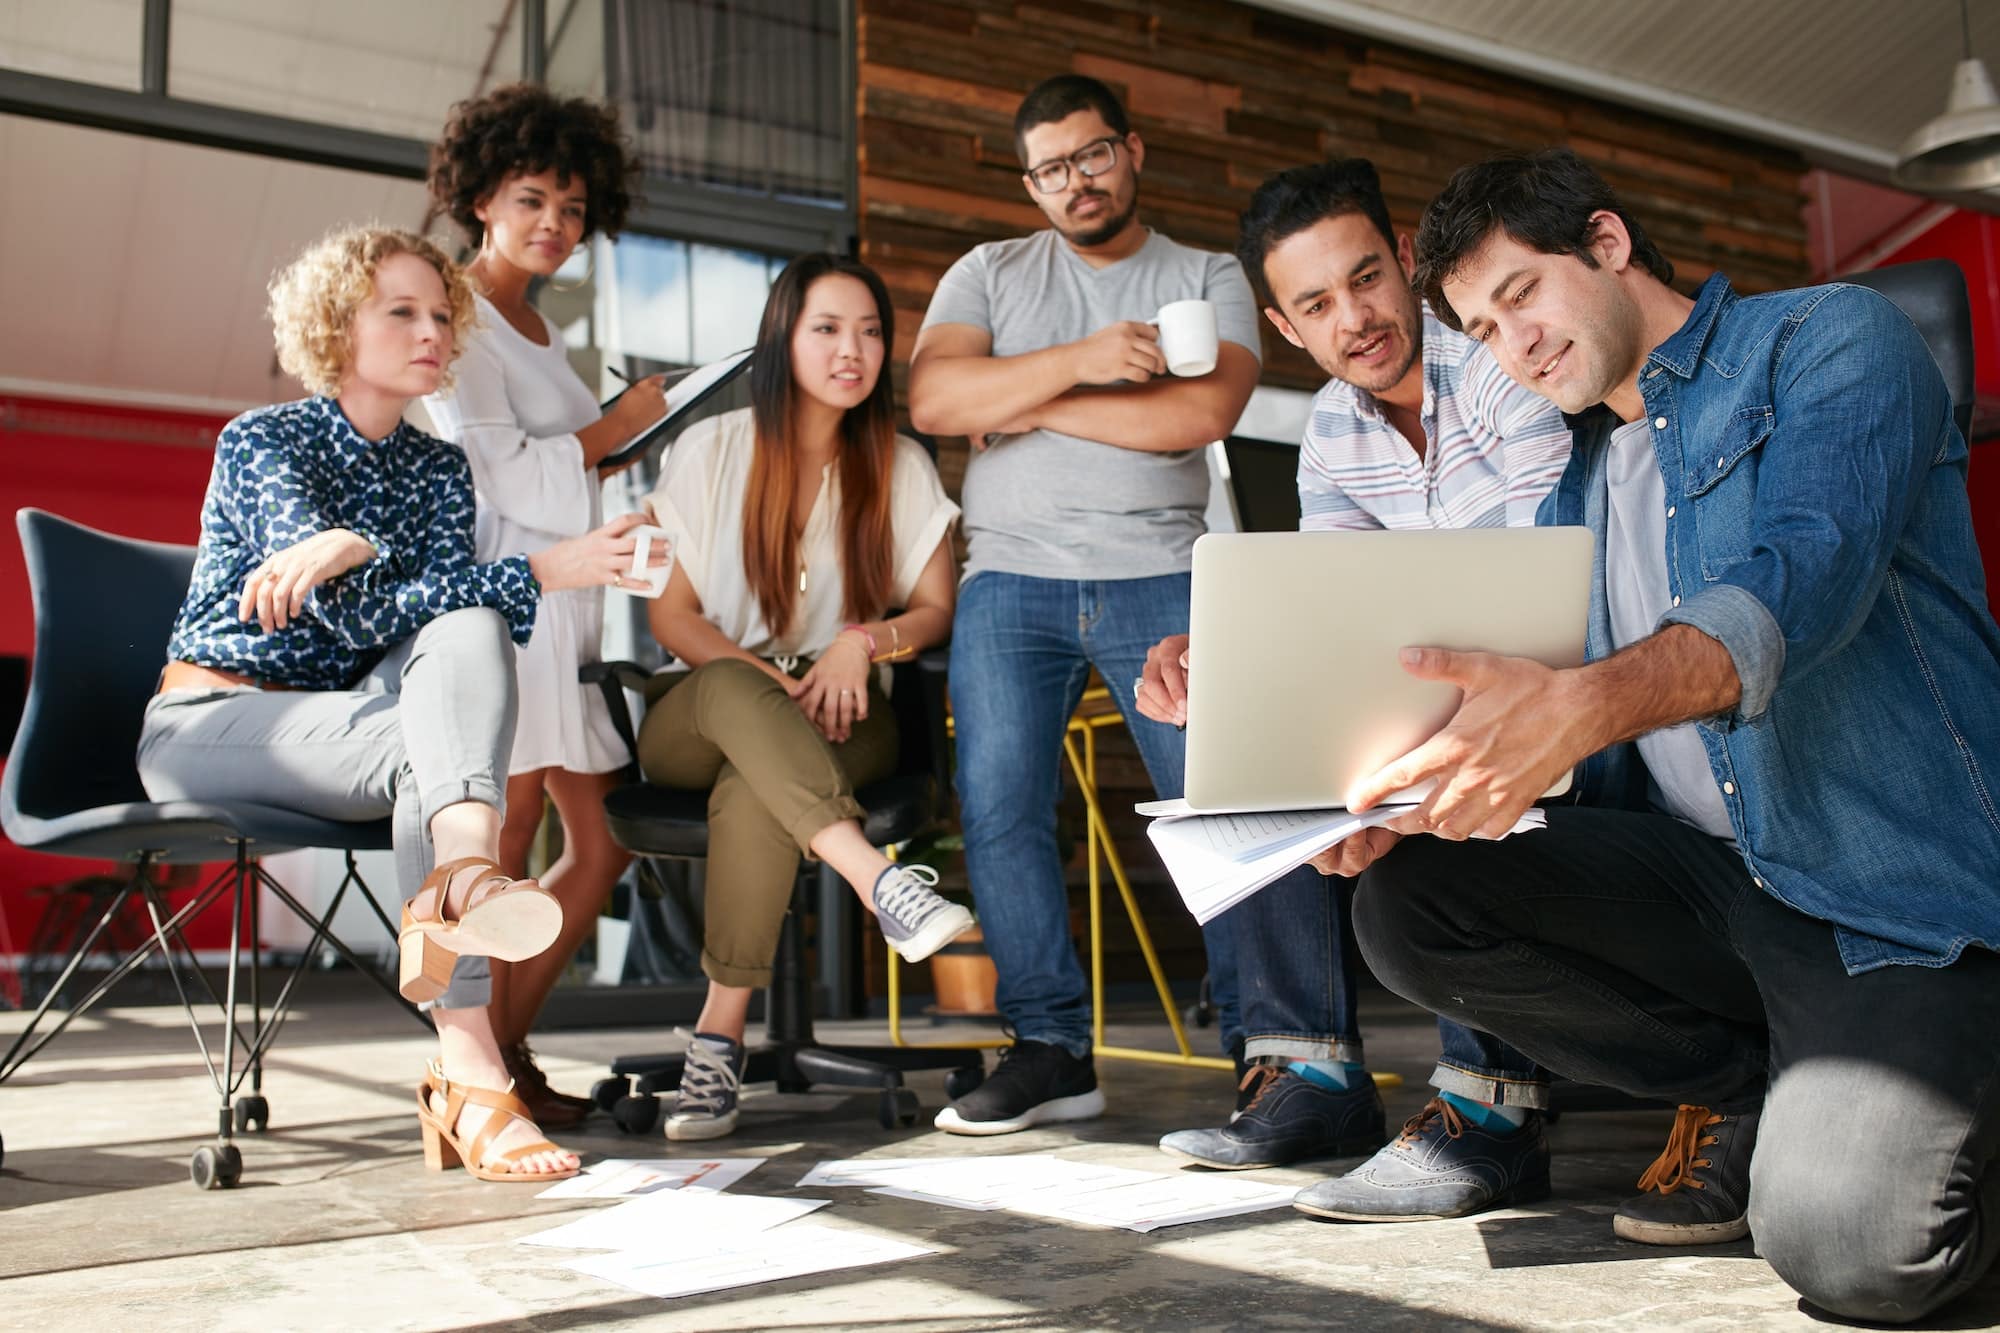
(1225, 94)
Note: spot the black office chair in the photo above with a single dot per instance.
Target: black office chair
(104, 609)
(1932, 293)
(664, 824)
(1263, 484)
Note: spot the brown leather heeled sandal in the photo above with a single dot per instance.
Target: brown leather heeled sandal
(508, 919)
(445, 1148)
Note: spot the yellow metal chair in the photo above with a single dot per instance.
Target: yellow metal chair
(1095, 711)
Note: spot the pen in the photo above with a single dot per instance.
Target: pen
(619, 373)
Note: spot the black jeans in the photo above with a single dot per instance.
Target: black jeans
(1634, 951)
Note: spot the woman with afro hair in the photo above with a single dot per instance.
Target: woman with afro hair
(530, 176)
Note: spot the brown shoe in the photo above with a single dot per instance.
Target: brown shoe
(445, 1147)
(555, 1110)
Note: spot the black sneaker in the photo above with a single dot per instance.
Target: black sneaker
(1698, 1190)
(1289, 1118)
(1034, 1084)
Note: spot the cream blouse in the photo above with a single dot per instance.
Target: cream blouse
(699, 501)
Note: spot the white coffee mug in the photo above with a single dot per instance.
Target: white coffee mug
(653, 576)
(1187, 336)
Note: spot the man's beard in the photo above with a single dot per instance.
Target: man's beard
(1108, 228)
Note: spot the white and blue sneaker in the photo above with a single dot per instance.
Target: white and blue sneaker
(916, 920)
(705, 1106)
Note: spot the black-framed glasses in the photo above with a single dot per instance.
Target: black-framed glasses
(1093, 159)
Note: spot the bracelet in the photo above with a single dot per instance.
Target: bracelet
(897, 652)
(862, 630)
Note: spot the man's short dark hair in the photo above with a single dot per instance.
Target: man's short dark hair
(1543, 200)
(1060, 98)
(1299, 197)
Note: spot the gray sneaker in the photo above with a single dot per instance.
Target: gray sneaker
(1698, 1191)
(916, 920)
(705, 1106)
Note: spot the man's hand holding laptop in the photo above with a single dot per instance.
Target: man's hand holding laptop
(1518, 729)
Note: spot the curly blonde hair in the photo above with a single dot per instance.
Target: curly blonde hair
(313, 300)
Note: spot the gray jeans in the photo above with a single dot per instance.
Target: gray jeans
(431, 725)
(1633, 950)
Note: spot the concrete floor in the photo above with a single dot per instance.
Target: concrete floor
(337, 1225)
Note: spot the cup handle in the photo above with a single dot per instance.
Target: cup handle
(642, 551)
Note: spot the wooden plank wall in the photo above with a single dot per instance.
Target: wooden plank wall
(1225, 94)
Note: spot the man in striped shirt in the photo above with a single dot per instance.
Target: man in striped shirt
(1417, 428)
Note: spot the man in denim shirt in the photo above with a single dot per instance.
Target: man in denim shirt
(1777, 900)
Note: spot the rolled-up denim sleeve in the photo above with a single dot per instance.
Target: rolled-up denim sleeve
(1733, 617)
(1859, 415)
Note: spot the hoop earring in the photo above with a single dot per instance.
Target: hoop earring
(589, 272)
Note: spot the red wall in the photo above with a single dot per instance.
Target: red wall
(135, 471)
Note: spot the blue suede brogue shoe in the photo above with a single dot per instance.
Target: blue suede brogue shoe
(1441, 1165)
(1288, 1118)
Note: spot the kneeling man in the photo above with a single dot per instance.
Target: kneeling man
(1777, 899)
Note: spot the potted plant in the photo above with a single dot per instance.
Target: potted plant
(962, 973)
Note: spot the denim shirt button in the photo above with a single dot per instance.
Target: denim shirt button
(1758, 882)
(1659, 423)
(1728, 789)
(1677, 600)
(1670, 510)
(1718, 464)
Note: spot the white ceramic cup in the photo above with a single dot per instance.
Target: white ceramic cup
(654, 576)
(1187, 336)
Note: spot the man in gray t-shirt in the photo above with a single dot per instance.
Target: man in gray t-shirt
(1082, 503)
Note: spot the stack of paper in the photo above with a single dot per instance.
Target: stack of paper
(1044, 1186)
(1219, 859)
(670, 1218)
(681, 1241)
(715, 1265)
(623, 1178)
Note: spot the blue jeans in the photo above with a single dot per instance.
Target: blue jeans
(1021, 651)
(1294, 943)
(1473, 1064)
(1293, 950)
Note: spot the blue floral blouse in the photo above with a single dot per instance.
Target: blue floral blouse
(287, 472)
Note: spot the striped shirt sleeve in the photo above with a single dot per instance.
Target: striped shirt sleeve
(1533, 440)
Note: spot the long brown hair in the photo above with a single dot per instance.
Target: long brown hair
(867, 452)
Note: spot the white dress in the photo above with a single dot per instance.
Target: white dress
(514, 407)
(699, 501)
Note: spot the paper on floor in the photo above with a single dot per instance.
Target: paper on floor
(744, 1260)
(668, 1218)
(1040, 1185)
(624, 1178)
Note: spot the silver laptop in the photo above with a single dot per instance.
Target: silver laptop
(1295, 691)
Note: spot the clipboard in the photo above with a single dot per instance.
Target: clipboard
(694, 388)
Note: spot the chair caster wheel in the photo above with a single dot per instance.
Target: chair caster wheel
(898, 1108)
(959, 1082)
(606, 1091)
(216, 1166)
(252, 1112)
(636, 1115)
(1201, 1013)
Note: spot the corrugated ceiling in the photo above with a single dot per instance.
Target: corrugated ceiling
(1842, 80)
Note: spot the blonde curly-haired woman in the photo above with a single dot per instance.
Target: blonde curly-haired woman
(339, 651)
